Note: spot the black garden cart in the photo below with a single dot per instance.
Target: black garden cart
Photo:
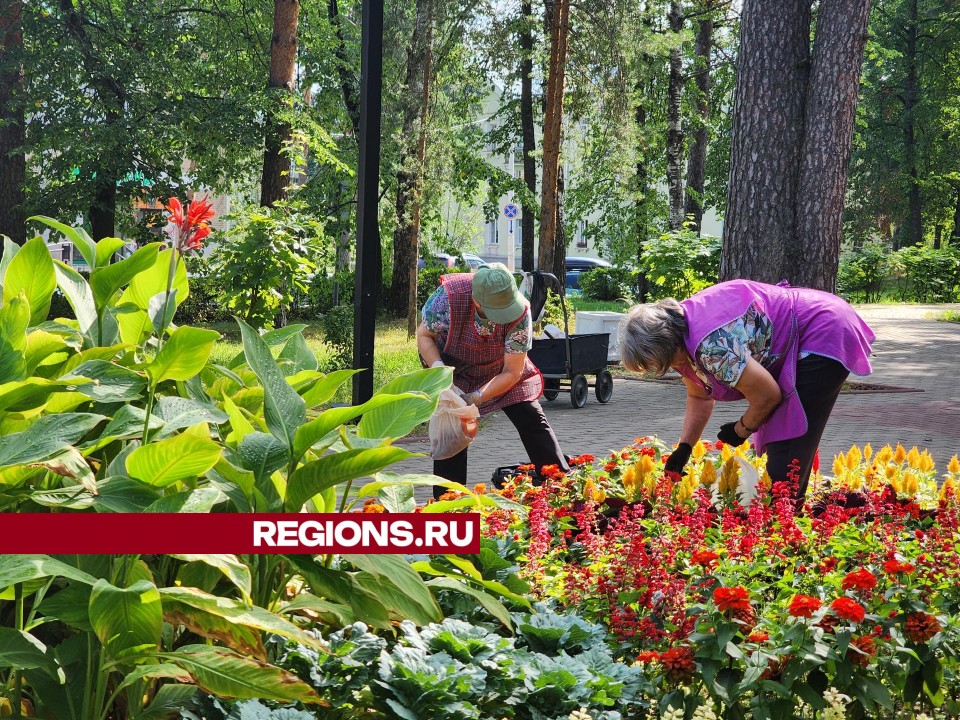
(566, 362)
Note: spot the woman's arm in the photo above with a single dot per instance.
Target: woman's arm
(508, 377)
(698, 412)
(427, 345)
(762, 393)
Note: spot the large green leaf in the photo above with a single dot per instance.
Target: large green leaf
(183, 355)
(125, 618)
(235, 571)
(31, 393)
(125, 424)
(333, 418)
(107, 281)
(22, 651)
(31, 272)
(326, 387)
(240, 427)
(200, 500)
(396, 422)
(164, 462)
(398, 572)
(78, 236)
(169, 700)
(78, 293)
(46, 437)
(14, 319)
(70, 463)
(298, 356)
(284, 410)
(272, 338)
(341, 587)
(214, 607)
(225, 673)
(178, 413)
(262, 453)
(10, 249)
(154, 280)
(123, 494)
(106, 249)
(111, 383)
(24, 568)
(312, 478)
(41, 345)
(487, 602)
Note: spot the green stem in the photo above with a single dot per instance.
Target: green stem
(146, 420)
(18, 675)
(171, 273)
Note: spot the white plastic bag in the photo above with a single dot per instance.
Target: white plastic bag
(453, 426)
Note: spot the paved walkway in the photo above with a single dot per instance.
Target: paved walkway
(912, 351)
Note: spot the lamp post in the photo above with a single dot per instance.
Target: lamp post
(368, 182)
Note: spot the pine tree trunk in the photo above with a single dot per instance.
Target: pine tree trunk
(528, 219)
(834, 86)
(915, 216)
(697, 160)
(275, 180)
(955, 233)
(347, 81)
(674, 113)
(553, 131)
(642, 181)
(103, 210)
(559, 267)
(766, 138)
(409, 174)
(12, 120)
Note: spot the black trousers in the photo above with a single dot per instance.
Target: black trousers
(535, 434)
(819, 380)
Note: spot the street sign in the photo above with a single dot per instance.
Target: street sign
(511, 211)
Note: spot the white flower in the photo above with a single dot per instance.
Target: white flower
(580, 714)
(835, 698)
(672, 714)
(704, 712)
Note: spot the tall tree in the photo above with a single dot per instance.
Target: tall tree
(415, 102)
(558, 13)
(275, 178)
(700, 133)
(914, 225)
(12, 121)
(528, 220)
(675, 20)
(772, 145)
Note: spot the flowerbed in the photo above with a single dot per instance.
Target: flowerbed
(749, 608)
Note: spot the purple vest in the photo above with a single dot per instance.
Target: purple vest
(803, 320)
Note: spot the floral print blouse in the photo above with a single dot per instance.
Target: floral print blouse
(725, 351)
(436, 317)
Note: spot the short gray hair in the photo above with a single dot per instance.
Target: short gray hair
(650, 336)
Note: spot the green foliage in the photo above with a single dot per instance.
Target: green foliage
(608, 283)
(265, 257)
(338, 331)
(924, 274)
(205, 302)
(862, 272)
(679, 263)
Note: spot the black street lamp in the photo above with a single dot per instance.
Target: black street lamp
(368, 182)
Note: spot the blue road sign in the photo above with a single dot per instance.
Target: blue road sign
(510, 210)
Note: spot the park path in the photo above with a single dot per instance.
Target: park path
(912, 352)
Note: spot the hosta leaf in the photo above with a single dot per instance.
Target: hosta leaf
(125, 618)
(284, 409)
(312, 478)
(46, 437)
(31, 272)
(164, 462)
(178, 413)
(183, 355)
(222, 672)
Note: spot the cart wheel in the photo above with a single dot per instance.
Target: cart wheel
(578, 391)
(604, 388)
(551, 388)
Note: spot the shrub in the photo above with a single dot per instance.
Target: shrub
(205, 303)
(679, 263)
(608, 283)
(862, 272)
(925, 274)
(338, 332)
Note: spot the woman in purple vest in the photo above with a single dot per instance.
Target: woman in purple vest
(480, 325)
(786, 350)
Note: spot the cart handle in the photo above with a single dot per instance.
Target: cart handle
(561, 291)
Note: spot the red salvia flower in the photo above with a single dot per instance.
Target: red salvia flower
(804, 606)
(921, 626)
(848, 609)
(704, 557)
(861, 580)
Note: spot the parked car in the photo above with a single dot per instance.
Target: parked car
(447, 260)
(585, 263)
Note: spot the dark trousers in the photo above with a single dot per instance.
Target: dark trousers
(535, 434)
(819, 380)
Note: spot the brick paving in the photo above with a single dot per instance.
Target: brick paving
(912, 351)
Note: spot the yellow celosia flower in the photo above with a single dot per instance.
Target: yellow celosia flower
(948, 491)
(899, 455)
(726, 452)
(913, 458)
(853, 457)
(891, 471)
(708, 475)
(867, 452)
(592, 492)
(683, 493)
(926, 462)
(870, 477)
(729, 477)
(855, 481)
(699, 450)
(910, 484)
(765, 480)
(839, 466)
(885, 455)
(954, 466)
